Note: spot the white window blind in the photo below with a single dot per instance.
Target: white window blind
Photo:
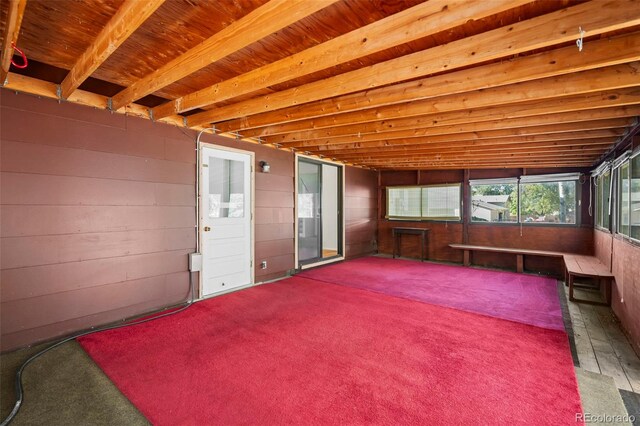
(424, 202)
(404, 202)
(441, 202)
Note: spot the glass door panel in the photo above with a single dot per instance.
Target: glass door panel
(309, 210)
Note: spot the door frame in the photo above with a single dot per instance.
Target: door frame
(341, 168)
(252, 190)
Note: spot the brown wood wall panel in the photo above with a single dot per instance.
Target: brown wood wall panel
(21, 188)
(67, 305)
(623, 256)
(626, 293)
(30, 158)
(20, 252)
(98, 215)
(266, 215)
(281, 263)
(360, 209)
(274, 199)
(25, 220)
(23, 283)
(176, 293)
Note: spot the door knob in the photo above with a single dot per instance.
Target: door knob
(207, 229)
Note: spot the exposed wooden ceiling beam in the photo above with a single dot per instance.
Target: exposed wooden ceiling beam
(452, 140)
(376, 140)
(515, 148)
(479, 144)
(560, 157)
(478, 158)
(612, 98)
(494, 151)
(595, 80)
(550, 29)
(442, 165)
(15, 13)
(604, 52)
(527, 125)
(403, 27)
(261, 22)
(126, 20)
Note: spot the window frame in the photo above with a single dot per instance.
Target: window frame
(530, 179)
(625, 159)
(600, 206)
(423, 218)
(486, 182)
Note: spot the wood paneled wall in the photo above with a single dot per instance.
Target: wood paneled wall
(626, 289)
(98, 216)
(575, 239)
(361, 211)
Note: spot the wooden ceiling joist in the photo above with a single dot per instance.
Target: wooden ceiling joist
(599, 79)
(479, 158)
(485, 157)
(411, 24)
(542, 140)
(602, 53)
(578, 119)
(437, 84)
(127, 19)
(10, 35)
(448, 165)
(263, 21)
(375, 140)
(515, 148)
(415, 143)
(540, 32)
(606, 99)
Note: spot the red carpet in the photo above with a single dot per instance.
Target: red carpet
(304, 352)
(516, 297)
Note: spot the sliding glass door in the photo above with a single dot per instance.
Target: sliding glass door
(319, 211)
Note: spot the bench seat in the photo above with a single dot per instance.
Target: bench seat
(520, 253)
(588, 266)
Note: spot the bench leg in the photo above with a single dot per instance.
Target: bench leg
(571, 287)
(467, 260)
(608, 290)
(520, 263)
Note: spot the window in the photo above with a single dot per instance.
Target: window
(424, 202)
(494, 200)
(623, 199)
(548, 202)
(603, 196)
(634, 198)
(628, 200)
(531, 199)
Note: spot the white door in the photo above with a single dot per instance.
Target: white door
(225, 220)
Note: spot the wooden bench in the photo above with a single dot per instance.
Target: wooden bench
(520, 253)
(590, 267)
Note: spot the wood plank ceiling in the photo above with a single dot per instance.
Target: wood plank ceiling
(386, 84)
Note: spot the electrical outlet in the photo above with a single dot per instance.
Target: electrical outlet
(263, 264)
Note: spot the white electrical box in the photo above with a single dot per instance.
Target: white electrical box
(195, 262)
